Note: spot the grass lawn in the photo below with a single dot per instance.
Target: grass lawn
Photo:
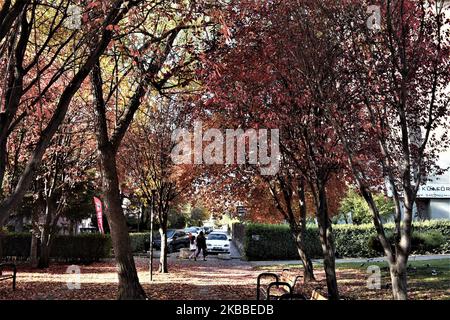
(428, 279)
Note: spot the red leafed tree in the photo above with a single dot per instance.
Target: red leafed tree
(155, 57)
(36, 52)
(61, 179)
(145, 164)
(392, 110)
(274, 71)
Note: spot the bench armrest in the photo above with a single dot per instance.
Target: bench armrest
(258, 281)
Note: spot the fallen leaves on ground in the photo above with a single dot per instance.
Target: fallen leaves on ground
(187, 280)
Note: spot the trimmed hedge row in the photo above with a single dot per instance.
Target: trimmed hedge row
(266, 242)
(83, 247)
(138, 240)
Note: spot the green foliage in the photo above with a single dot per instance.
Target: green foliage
(138, 241)
(197, 216)
(355, 204)
(351, 240)
(79, 201)
(86, 247)
(421, 242)
(16, 244)
(83, 247)
(266, 242)
(176, 220)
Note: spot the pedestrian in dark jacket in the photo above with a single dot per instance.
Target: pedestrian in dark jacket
(201, 245)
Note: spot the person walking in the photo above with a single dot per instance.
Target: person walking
(192, 246)
(201, 246)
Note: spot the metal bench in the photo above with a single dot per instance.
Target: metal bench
(280, 285)
(9, 276)
(260, 288)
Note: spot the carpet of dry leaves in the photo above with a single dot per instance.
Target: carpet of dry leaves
(210, 280)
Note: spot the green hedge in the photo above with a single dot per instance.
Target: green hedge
(276, 242)
(16, 244)
(83, 247)
(138, 241)
(425, 241)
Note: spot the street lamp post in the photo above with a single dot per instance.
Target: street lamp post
(152, 209)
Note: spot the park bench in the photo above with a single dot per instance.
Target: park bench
(9, 276)
(281, 285)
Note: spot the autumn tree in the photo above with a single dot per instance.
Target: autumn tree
(146, 165)
(276, 63)
(159, 46)
(392, 109)
(66, 167)
(32, 64)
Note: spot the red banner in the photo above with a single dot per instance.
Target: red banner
(99, 210)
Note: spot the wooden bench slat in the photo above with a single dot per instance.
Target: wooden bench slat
(315, 295)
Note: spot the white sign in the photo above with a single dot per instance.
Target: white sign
(434, 191)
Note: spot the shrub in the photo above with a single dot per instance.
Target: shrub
(86, 247)
(138, 241)
(83, 247)
(266, 242)
(16, 244)
(421, 242)
(351, 240)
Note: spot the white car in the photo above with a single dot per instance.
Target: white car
(218, 242)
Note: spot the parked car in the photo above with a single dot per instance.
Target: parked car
(199, 229)
(192, 230)
(218, 242)
(208, 230)
(223, 232)
(176, 239)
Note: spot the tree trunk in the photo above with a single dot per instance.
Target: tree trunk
(35, 234)
(308, 274)
(308, 271)
(34, 251)
(164, 249)
(44, 255)
(44, 249)
(129, 286)
(3, 159)
(327, 242)
(46, 234)
(399, 280)
(1, 245)
(402, 251)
